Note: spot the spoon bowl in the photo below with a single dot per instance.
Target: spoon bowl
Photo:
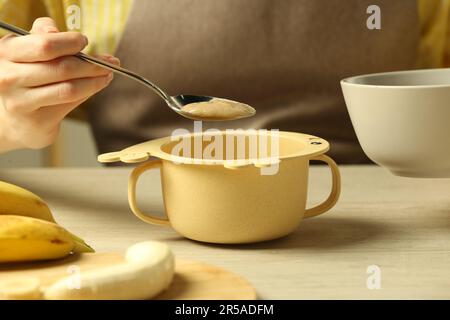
(177, 103)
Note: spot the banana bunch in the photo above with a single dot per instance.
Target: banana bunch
(28, 231)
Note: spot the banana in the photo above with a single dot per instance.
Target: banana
(15, 200)
(148, 269)
(29, 239)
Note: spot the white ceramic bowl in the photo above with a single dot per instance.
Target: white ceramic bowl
(402, 120)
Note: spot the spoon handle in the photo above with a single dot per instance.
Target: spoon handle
(127, 73)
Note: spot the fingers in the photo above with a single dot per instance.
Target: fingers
(40, 83)
(42, 47)
(69, 91)
(109, 58)
(58, 70)
(44, 25)
(56, 94)
(55, 114)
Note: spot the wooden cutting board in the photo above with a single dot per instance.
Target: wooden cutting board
(192, 281)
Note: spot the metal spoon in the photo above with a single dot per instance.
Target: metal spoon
(176, 103)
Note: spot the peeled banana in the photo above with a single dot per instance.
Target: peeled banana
(29, 239)
(147, 271)
(15, 200)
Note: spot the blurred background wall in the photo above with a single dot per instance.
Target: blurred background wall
(75, 148)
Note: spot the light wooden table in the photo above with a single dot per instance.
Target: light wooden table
(400, 225)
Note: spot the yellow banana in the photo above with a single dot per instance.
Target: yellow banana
(29, 239)
(15, 200)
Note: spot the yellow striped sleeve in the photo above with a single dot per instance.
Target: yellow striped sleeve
(434, 46)
(16, 12)
(103, 21)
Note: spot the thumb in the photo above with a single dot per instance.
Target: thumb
(44, 25)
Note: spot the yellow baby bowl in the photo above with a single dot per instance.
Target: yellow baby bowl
(231, 186)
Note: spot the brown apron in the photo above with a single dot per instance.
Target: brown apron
(285, 58)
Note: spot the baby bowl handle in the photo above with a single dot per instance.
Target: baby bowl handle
(134, 177)
(335, 191)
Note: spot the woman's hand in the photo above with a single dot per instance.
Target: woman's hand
(40, 83)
